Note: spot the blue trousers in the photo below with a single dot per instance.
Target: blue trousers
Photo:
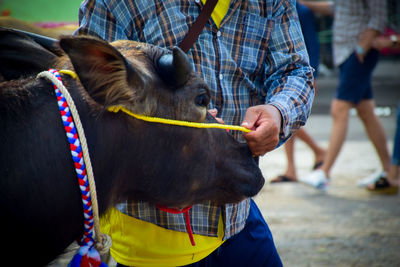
(253, 246)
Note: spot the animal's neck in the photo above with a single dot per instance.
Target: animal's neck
(38, 176)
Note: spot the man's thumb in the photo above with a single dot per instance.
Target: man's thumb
(250, 119)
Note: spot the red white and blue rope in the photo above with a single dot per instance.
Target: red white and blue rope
(87, 254)
(77, 157)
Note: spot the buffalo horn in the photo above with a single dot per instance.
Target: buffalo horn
(174, 68)
(45, 41)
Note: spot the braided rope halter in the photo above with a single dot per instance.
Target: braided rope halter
(87, 255)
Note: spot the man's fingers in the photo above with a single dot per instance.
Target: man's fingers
(250, 118)
(213, 112)
(262, 140)
(220, 120)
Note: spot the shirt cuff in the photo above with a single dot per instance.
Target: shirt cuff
(285, 132)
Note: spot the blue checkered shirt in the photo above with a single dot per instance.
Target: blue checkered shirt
(256, 56)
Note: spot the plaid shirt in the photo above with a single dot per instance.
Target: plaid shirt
(352, 17)
(257, 56)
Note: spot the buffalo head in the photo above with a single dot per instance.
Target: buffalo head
(169, 165)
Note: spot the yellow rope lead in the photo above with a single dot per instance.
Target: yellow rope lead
(115, 109)
(70, 73)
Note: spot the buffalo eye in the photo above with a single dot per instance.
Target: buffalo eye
(202, 100)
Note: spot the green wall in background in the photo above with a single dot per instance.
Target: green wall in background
(42, 10)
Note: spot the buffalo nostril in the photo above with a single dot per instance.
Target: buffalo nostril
(202, 100)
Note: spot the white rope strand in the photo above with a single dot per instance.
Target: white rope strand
(101, 242)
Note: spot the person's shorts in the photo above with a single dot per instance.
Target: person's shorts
(355, 78)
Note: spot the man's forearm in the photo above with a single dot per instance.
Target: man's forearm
(324, 8)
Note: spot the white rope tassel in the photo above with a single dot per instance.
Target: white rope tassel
(99, 237)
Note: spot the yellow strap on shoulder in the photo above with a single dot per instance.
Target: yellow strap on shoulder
(116, 109)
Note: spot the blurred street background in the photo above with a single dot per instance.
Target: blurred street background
(347, 225)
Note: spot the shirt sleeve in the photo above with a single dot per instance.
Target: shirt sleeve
(96, 18)
(289, 80)
(378, 18)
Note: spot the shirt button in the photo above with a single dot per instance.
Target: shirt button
(219, 33)
(221, 77)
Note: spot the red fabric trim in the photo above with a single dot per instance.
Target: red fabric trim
(187, 219)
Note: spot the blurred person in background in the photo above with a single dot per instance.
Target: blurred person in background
(356, 25)
(390, 184)
(307, 23)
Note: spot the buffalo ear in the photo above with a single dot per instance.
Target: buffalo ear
(102, 70)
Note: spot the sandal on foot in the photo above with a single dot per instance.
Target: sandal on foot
(383, 186)
(318, 164)
(371, 179)
(283, 179)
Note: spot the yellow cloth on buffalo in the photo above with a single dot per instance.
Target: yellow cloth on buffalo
(139, 243)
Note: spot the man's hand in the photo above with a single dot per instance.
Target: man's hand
(214, 113)
(265, 121)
